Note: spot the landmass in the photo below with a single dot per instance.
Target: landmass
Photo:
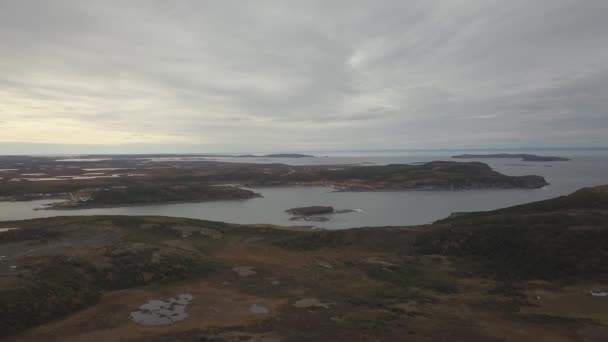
(115, 181)
(194, 156)
(438, 175)
(523, 157)
(525, 273)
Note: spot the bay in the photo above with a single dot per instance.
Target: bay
(376, 208)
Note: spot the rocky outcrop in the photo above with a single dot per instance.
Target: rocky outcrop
(309, 211)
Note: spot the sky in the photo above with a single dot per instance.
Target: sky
(238, 76)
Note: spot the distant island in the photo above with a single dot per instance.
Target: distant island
(287, 155)
(523, 157)
(274, 155)
(93, 157)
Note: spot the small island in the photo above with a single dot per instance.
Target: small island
(311, 213)
(522, 156)
(313, 210)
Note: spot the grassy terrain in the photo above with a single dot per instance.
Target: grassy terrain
(434, 175)
(561, 238)
(515, 274)
(142, 193)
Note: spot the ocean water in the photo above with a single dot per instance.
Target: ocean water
(376, 208)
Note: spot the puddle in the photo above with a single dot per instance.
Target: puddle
(2, 230)
(258, 309)
(162, 312)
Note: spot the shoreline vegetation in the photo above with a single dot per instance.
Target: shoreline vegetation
(141, 194)
(514, 269)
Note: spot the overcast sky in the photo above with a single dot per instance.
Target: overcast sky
(220, 76)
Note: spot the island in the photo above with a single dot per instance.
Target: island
(523, 157)
(312, 210)
(274, 155)
(523, 271)
(288, 155)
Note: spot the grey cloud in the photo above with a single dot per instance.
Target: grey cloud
(311, 74)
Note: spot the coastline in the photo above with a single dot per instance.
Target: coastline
(145, 204)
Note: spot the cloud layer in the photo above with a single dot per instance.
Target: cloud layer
(305, 75)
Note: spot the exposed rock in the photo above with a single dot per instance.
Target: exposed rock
(273, 281)
(376, 261)
(307, 303)
(324, 264)
(212, 233)
(312, 210)
(187, 231)
(245, 271)
(258, 309)
(310, 218)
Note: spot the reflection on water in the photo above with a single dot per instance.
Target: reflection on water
(162, 312)
(378, 208)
